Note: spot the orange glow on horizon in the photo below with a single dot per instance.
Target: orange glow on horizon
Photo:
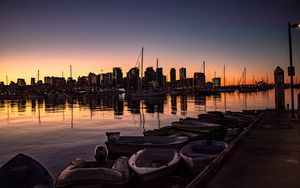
(27, 65)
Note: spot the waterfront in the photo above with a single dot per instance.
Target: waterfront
(56, 133)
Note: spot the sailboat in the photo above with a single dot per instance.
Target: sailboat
(140, 93)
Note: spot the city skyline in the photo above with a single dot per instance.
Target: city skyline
(98, 35)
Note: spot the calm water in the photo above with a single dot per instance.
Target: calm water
(55, 132)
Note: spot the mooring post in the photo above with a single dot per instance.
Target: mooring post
(279, 88)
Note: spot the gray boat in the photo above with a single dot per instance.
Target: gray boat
(24, 172)
(128, 145)
(152, 163)
(198, 154)
(95, 174)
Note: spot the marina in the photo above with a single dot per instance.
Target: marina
(149, 114)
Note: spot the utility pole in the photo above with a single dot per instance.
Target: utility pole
(6, 80)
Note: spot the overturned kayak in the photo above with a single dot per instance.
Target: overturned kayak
(23, 171)
(81, 173)
(198, 154)
(128, 145)
(151, 163)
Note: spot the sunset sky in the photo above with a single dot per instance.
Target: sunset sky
(100, 34)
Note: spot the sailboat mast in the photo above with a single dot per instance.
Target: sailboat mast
(245, 78)
(142, 62)
(224, 75)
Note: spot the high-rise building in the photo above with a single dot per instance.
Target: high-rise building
(160, 77)
(199, 80)
(21, 82)
(182, 73)
(133, 78)
(117, 77)
(173, 75)
(32, 81)
(216, 82)
(92, 79)
(150, 77)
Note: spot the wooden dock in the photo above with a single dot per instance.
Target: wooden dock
(265, 155)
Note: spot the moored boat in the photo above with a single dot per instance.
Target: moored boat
(151, 163)
(172, 131)
(99, 173)
(24, 171)
(198, 154)
(128, 145)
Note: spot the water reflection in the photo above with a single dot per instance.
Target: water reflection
(76, 111)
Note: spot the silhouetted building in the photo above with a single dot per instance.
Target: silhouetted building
(55, 81)
(108, 80)
(216, 82)
(173, 77)
(32, 81)
(117, 77)
(160, 77)
(21, 82)
(133, 78)
(92, 79)
(83, 80)
(199, 80)
(182, 73)
(150, 78)
(48, 80)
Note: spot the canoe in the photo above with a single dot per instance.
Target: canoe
(81, 174)
(198, 154)
(151, 163)
(128, 145)
(24, 171)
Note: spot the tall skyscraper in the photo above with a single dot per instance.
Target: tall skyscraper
(117, 77)
(32, 81)
(160, 77)
(182, 73)
(199, 80)
(173, 75)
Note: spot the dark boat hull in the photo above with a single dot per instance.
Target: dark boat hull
(128, 145)
(24, 172)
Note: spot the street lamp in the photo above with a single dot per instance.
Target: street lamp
(291, 68)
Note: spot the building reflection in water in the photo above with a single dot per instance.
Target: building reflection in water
(118, 107)
(174, 104)
(40, 105)
(183, 105)
(200, 103)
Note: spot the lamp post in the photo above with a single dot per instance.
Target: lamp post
(291, 68)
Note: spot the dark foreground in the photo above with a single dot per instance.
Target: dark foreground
(268, 157)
